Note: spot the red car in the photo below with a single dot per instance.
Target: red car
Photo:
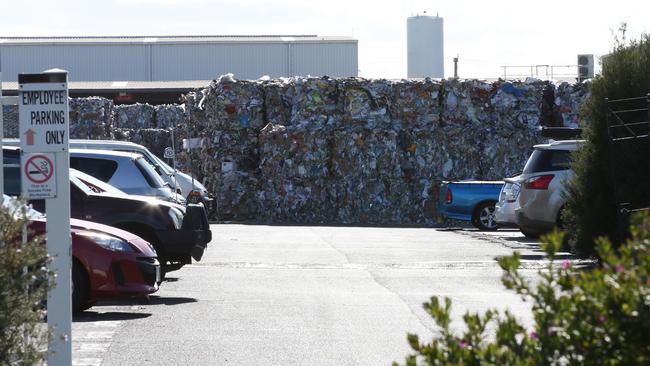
(107, 262)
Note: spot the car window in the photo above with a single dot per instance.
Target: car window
(95, 184)
(76, 183)
(153, 179)
(102, 169)
(165, 167)
(12, 179)
(10, 158)
(547, 161)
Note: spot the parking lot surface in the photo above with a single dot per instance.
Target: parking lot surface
(273, 295)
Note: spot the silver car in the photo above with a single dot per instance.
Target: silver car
(542, 195)
(126, 171)
(504, 210)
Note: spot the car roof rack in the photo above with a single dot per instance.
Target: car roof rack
(561, 133)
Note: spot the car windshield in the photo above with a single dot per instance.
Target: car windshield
(542, 160)
(154, 180)
(95, 184)
(15, 207)
(165, 167)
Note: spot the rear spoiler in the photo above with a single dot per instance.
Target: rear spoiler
(561, 133)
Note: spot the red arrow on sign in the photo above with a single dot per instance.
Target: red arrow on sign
(30, 136)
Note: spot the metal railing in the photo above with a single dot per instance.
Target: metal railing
(546, 72)
(628, 129)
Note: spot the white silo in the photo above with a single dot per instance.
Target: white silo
(425, 47)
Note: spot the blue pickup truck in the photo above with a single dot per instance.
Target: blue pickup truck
(470, 201)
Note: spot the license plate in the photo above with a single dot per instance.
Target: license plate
(158, 274)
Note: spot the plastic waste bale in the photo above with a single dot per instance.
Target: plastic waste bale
(278, 99)
(569, 98)
(90, 118)
(368, 200)
(169, 115)
(417, 104)
(304, 201)
(418, 154)
(234, 104)
(365, 153)
(133, 116)
(317, 103)
(154, 139)
(293, 153)
(10, 119)
(367, 103)
(235, 195)
(468, 102)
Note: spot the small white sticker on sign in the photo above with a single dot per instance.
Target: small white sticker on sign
(38, 176)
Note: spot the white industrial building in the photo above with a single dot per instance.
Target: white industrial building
(178, 58)
(425, 47)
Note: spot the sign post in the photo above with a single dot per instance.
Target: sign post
(44, 128)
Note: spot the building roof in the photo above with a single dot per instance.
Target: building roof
(124, 86)
(174, 39)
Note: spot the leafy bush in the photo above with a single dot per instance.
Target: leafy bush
(598, 316)
(23, 290)
(592, 205)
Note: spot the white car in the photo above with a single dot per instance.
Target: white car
(126, 171)
(543, 182)
(189, 187)
(504, 210)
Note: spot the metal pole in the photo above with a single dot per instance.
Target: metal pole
(648, 103)
(456, 67)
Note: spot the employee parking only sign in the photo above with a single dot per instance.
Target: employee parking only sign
(42, 112)
(38, 176)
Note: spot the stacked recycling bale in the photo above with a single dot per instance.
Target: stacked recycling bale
(10, 120)
(278, 101)
(569, 98)
(509, 141)
(169, 115)
(91, 118)
(228, 154)
(418, 105)
(294, 166)
(295, 151)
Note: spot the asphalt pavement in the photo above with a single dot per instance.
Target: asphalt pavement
(274, 295)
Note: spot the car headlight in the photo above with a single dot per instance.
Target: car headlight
(108, 242)
(176, 216)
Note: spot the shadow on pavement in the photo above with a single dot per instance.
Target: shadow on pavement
(170, 279)
(93, 316)
(535, 257)
(157, 300)
(521, 239)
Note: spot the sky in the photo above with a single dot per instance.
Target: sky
(485, 35)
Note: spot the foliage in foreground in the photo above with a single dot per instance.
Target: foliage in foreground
(597, 316)
(23, 290)
(592, 202)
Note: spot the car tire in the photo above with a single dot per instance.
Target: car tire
(483, 217)
(80, 288)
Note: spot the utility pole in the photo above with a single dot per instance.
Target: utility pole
(456, 67)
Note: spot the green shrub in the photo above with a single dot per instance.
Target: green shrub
(592, 205)
(597, 316)
(23, 290)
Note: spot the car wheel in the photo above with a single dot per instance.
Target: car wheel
(80, 288)
(483, 217)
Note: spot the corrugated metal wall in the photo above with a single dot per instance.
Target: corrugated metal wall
(84, 63)
(178, 61)
(318, 59)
